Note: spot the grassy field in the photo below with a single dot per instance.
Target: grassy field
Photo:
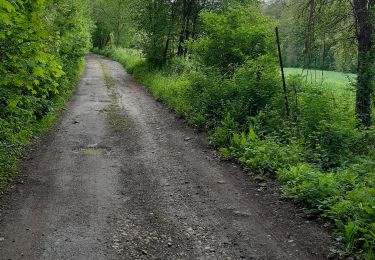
(335, 81)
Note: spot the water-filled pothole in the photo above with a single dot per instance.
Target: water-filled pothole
(93, 149)
(93, 152)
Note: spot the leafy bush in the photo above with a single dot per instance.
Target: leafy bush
(307, 185)
(231, 38)
(253, 88)
(41, 44)
(262, 156)
(245, 94)
(347, 197)
(131, 59)
(180, 65)
(223, 134)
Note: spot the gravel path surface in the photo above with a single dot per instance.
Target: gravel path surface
(121, 177)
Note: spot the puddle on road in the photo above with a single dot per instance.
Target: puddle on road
(93, 152)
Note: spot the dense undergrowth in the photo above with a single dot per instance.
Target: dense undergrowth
(42, 45)
(320, 158)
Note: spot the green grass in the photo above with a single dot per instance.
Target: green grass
(331, 80)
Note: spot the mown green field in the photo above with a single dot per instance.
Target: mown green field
(331, 80)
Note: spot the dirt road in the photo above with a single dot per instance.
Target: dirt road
(121, 177)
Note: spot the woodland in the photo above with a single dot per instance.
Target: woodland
(216, 64)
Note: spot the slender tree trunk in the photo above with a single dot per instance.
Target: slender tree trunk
(180, 50)
(166, 48)
(194, 27)
(118, 32)
(286, 102)
(168, 41)
(187, 11)
(309, 33)
(366, 54)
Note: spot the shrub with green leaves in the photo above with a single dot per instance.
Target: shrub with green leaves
(245, 94)
(42, 44)
(231, 38)
(262, 155)
(346, 196)
(308, 186)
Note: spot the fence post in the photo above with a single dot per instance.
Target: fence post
(282, 73)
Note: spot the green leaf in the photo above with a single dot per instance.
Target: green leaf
(38, 71)
(12, 104)
(5, 5)
(252, 135)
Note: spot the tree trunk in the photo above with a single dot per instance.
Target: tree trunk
(309, 34)
(168, 42)
(366, 54)
(187, 11)
(166, 48)
(180, 50)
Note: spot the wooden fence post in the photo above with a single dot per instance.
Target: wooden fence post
(282, 73)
